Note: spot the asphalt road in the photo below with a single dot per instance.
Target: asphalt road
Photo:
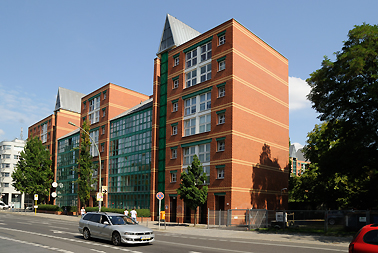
(21, 233)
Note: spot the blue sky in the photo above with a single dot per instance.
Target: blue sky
(82, 45)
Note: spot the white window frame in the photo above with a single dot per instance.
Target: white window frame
(221, 118)
(175, 84)
(173, 153)
(221, 40)
(176, 61)
(221, 145)
(220, 173)
(174, 130)
(173, 177)
(197, 117)
(95, 136)
(94, 110)
(221, 91)
(203, 153)
(198, 70)
(175, 107)
(44, 133)
(222, 65)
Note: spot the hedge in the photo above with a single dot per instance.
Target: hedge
(49, 208)
(140, 212)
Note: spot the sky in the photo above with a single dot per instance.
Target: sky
(83, 45)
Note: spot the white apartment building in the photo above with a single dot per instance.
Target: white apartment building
(9, 155)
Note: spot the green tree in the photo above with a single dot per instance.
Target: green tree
(85, 167)
(33, 173)
(192, 189)
(345, 93)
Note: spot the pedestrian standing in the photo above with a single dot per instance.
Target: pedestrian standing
(82, 211)
(126, 212)
(133, 214)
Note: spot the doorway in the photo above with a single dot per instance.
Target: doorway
(173, 209)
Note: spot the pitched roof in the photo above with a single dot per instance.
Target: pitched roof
(69, 100)
(175, 33)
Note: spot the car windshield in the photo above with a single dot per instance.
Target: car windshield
(121, 220)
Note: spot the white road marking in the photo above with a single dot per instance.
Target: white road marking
(35, 244)
(95, 250)
(71, 240)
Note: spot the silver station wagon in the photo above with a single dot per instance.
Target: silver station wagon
(115, 227)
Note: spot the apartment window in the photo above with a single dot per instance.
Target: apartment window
(174, 153)
(220, 173)
(16, 157)
(103, 113)
(205, 123)
(221, 145)
(85, 105)
(221, 40)
(175, 107)
(221, 118)
(6, 147)
(191, 58)
(175, 83)
(173, 177)
(206, 72)
(190, 126)
(174, 130)
(44, 133)
(93, 149)
(221, 91)
(104, 96)
(94, 110)
(191, 78)
(5, 184)
(102, 147)
(5, 174)
(206, 52)
(200, 68)
(197, 117)
(206, 170)
(202, 151)
(176, 61)
(6, 165)
(6, 156)
(221, 65)
(102, 130)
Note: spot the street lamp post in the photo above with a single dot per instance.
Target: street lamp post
(99, 162)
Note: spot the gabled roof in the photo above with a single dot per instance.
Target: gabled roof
(143, 105)
(175, 33)
(69, 100)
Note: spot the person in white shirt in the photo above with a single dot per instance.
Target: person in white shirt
(133, 214)
(82, 211)
(126, 212)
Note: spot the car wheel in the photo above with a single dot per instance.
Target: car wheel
(116, 239)
(86, 234)
(331, 221)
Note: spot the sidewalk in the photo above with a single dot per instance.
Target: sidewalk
(201, 230)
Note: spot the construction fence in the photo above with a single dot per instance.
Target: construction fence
(327, 220)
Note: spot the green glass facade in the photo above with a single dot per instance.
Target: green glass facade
(130, 160)
(68, 153)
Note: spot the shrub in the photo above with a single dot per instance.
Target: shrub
(49, 208)
(141, 212)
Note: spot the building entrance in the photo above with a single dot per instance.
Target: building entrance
(173, 209)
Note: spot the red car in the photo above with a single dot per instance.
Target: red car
(366, 240)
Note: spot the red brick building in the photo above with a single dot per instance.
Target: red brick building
(222, 95)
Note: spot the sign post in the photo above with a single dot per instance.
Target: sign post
(159, 196)
(35, 203)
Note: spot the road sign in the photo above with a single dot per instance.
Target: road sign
(100, 197)
(35, 196)
(104, 189)
(160, 195)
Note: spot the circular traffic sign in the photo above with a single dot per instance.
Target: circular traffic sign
(160, 195)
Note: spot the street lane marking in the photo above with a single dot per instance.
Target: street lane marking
(203, 247)
(36, 244)
(71, 240)
(98, 250)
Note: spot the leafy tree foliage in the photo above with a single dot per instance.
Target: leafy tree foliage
(192, 189)
(345, 93)
(33, 173)
(85, 167)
